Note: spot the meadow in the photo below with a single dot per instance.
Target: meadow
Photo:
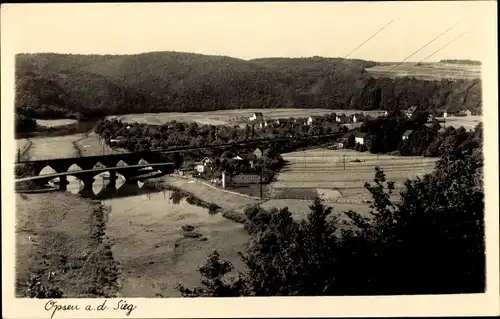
(467, 122)
(224, 117)
(50, 147)
(338, 176)
(427, 71)
(55, 123)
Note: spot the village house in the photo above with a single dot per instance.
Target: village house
(407, 134)
(242, 159)
(228, 155)
(342, 141)
(465, 113)
(448, 114)
(257, 153)
(310, 120)
(204, 165)
(342, 119)
(115, 140)
(258, 116)
(411, 111)
(248, 158)
(430, 118)
(360, 138)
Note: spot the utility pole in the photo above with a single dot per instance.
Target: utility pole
(261, 178)
(344, 161)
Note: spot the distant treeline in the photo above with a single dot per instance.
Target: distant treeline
(473, 62)
(140, 137)
(53, 85)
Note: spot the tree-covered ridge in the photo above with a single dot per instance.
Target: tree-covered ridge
(53, 85)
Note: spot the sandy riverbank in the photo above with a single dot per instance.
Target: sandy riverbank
(219, 197)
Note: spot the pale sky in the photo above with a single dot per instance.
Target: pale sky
(254, 30)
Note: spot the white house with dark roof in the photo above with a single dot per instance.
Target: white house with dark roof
(360, 137)
(466, 113)
(204, 165)
(407, 134)
(411, 110)
(310, 120)
(257, 116)
(257, 153)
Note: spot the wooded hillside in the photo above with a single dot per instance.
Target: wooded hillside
(50, 85)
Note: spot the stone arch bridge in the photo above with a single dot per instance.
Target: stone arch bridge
(109, 163)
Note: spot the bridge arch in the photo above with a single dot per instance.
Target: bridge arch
(74, 168)
(47, 169)
(98, 165)
(121, 163)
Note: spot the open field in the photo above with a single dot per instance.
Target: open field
(468, 122)
(222, 117)
(51, 147)
(300, 208)
(90, 145)
(56, 232)
(427, 71)
(54, 123)
(64, 146)
(323, 170)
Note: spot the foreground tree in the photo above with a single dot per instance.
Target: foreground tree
(213, 284)
(431, 242)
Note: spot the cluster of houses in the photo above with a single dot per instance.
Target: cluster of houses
(244, 158)
(444, 114)
(258, 118)
(208, 164)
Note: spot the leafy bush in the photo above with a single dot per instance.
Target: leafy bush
(42, 288)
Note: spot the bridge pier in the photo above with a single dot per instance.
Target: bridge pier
(87, 181)
(129, 180)
(63, 183)
(85, 165)
(112, 179)
(166, 169)
(86, 191)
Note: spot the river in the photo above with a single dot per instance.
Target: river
(144, 225)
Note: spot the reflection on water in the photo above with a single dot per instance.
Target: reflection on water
(176, 197)
(103, 189)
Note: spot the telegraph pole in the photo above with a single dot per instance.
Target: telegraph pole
(261, 178)
(344, 161)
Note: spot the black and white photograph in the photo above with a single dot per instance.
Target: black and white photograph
(204, 151)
